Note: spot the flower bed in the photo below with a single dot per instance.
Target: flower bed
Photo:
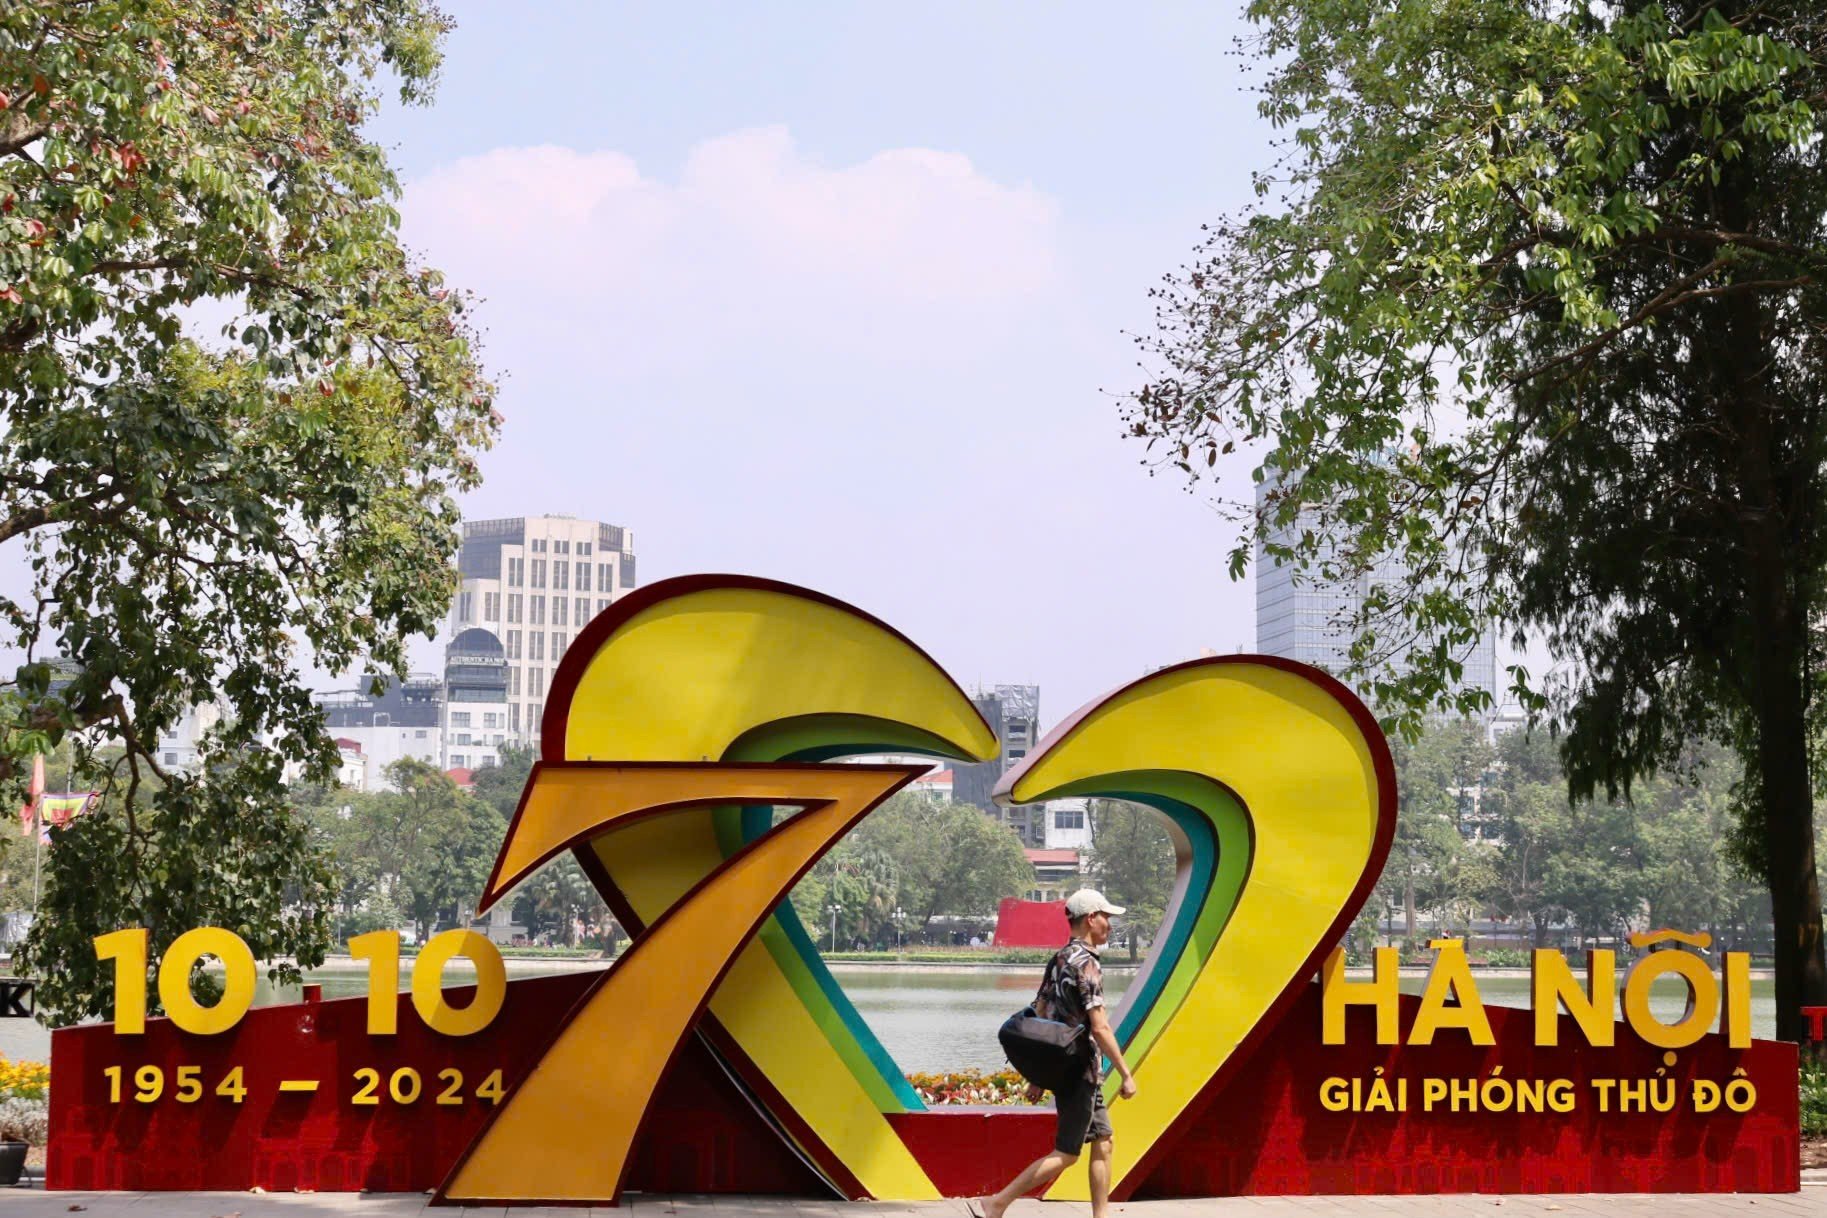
(23, 1080)
(24, 1108)
(970, 1087)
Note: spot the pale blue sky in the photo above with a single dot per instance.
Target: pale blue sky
(836, 294)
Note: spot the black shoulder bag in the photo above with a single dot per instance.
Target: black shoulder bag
(1046, 1052)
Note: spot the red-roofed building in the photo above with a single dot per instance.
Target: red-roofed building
(352, 767)
(464, 778)
(937, 783)
(1057, 873)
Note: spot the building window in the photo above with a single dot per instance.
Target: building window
(419, 735)
(491, 606)
(561, 547)
(171, 759)
(465, 605)
(539, 610)
(514, 710)
(535, 714)
(1069, 818)
(459, 718)
(605, 577)
(536, 645)
(536, 683)
(561, 576)
(559, 605)
(583, 577)
(601, 605)
(517, 571)
(513, 644)
(539, 545)
(458, 761)
(514, 685)
(491, 719)
(625, 578)
(583, 549)
(582, 611)
(539, 572)
(513, 607)
(559, 642)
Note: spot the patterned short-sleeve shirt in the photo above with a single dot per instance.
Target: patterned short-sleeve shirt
(1071, 990)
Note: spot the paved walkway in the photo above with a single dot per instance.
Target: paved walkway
(1812, 1200)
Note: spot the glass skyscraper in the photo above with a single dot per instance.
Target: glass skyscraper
(1301, 617)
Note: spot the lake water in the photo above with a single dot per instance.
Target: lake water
(931, 1018)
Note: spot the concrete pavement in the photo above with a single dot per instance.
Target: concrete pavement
(27, 1203)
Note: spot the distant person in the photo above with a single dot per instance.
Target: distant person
(1073, 993)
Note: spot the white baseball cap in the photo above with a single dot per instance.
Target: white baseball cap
(1087, 901)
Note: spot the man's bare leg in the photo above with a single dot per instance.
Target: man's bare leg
(1042, 1171)
(1100, 1178)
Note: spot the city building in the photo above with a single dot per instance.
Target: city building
(498, 925)
(1300, 616)
(533, 582)
(1057, 873)
(1013, 713)
(475, 701)
(179, 748)
(352, 767)
(1068, 824)
(934, 783)
(386, 720)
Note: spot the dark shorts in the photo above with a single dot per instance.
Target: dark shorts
(1083, 1119)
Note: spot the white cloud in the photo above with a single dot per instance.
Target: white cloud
(753, 244)
(879, 379)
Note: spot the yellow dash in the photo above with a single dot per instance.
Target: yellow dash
(298, 1084)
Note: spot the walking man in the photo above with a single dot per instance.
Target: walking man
(1073, 993)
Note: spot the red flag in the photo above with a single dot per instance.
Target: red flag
(29, 813)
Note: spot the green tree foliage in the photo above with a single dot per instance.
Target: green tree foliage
(1525, 807)
(421, 851)
(928, 856)
(501, 785)
(559, 896)
(441, 840)
(1566, 872)
(198, 515)
(952, 859)
(16, 864)
(1132, 858)
(864, 881)
(1530, 312)
(1431, 865)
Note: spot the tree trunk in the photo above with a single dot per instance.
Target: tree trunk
(1778, 693)
(1408, 903)
(1788, 806)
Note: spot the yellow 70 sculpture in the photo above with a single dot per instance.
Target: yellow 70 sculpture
(682, 716)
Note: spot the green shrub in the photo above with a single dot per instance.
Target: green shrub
(1814, 1098)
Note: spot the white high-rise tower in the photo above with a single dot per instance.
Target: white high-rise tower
(533, 582)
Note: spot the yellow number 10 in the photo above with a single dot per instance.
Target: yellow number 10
(381, 949)
(128, 950)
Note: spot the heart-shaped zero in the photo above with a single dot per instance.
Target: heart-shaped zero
(711, 699)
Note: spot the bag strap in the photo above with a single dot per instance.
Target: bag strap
(1046, 978)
